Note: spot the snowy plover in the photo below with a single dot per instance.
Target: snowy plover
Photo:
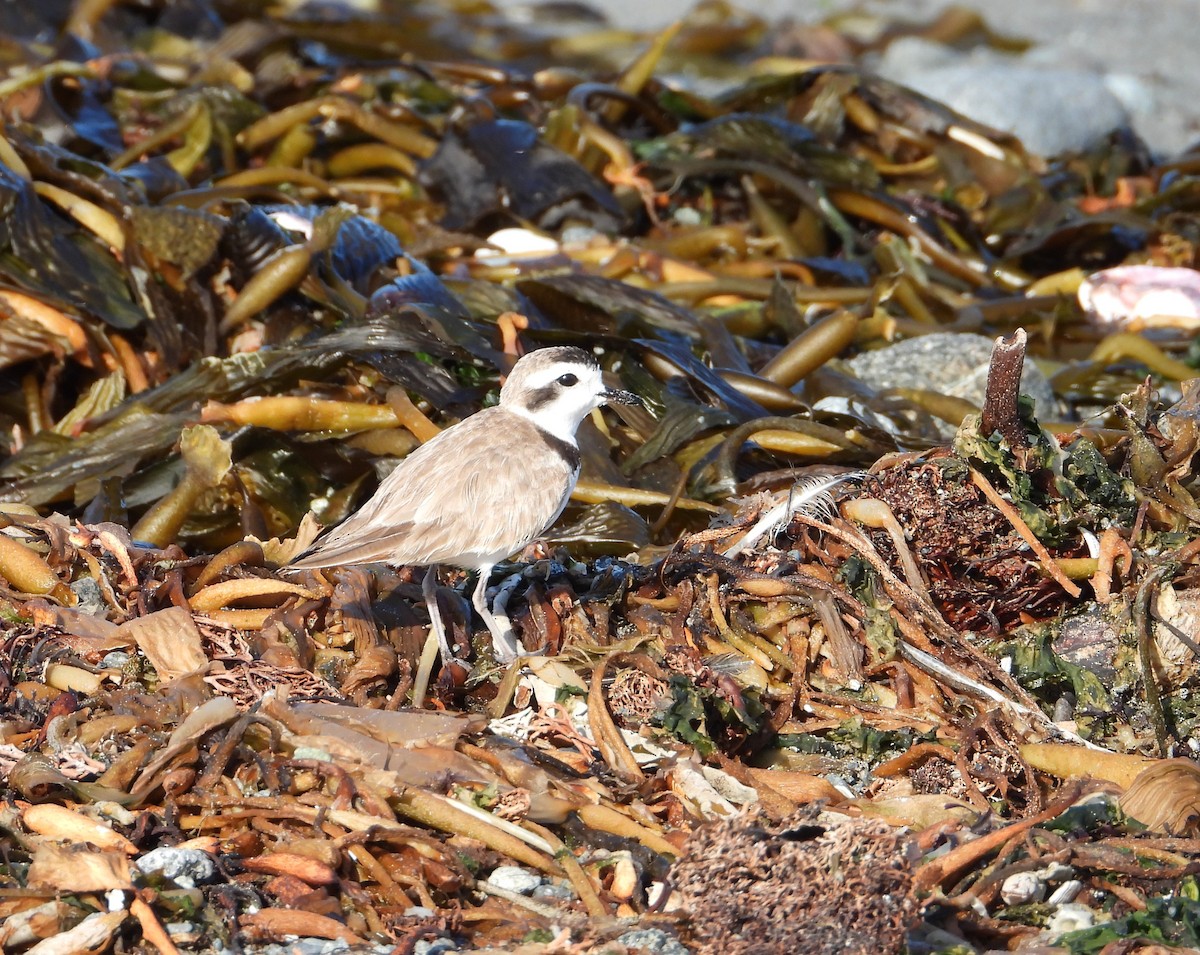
(482, 489)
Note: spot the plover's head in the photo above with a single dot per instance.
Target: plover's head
(555, 388)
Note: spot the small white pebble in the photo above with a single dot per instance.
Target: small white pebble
(514, 879)
(185, 867)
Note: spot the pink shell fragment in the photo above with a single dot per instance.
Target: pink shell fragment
(1143, 296)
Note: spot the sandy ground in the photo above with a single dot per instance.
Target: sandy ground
(1147, 48)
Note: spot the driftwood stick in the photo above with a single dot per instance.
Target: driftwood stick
(1000, 410)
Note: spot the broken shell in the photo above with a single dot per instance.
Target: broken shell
(1166, 797)
(625, 879)
(1175, 631)
(1143, 296)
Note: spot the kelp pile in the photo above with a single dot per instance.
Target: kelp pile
(792, 643)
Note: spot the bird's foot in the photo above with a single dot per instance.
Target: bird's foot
(505, 644)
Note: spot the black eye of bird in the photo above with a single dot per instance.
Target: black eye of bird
(568, 380)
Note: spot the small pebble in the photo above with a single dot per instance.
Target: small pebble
(419, 912)
(185, 867)
(89, 598)
(184, 933)
(1057, 872)
(309, 946)
(653, 940)
(515, 879)
(114, 660)
(550, 890)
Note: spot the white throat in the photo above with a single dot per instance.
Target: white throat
(557, 421)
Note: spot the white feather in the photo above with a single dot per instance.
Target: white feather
(811, 495)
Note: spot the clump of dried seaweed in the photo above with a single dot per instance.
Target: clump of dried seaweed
(753, 885)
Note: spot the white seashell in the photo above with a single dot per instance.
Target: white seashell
(1066, 892)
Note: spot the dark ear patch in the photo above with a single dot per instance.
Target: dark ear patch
(539, 398)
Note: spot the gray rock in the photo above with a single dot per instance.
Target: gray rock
(948, 363)
(550, 890)
(90, 599)
(515, 879)
(115, 659)
(1143, 50)
(1051, 109)
(653, 940)
(185, 867)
